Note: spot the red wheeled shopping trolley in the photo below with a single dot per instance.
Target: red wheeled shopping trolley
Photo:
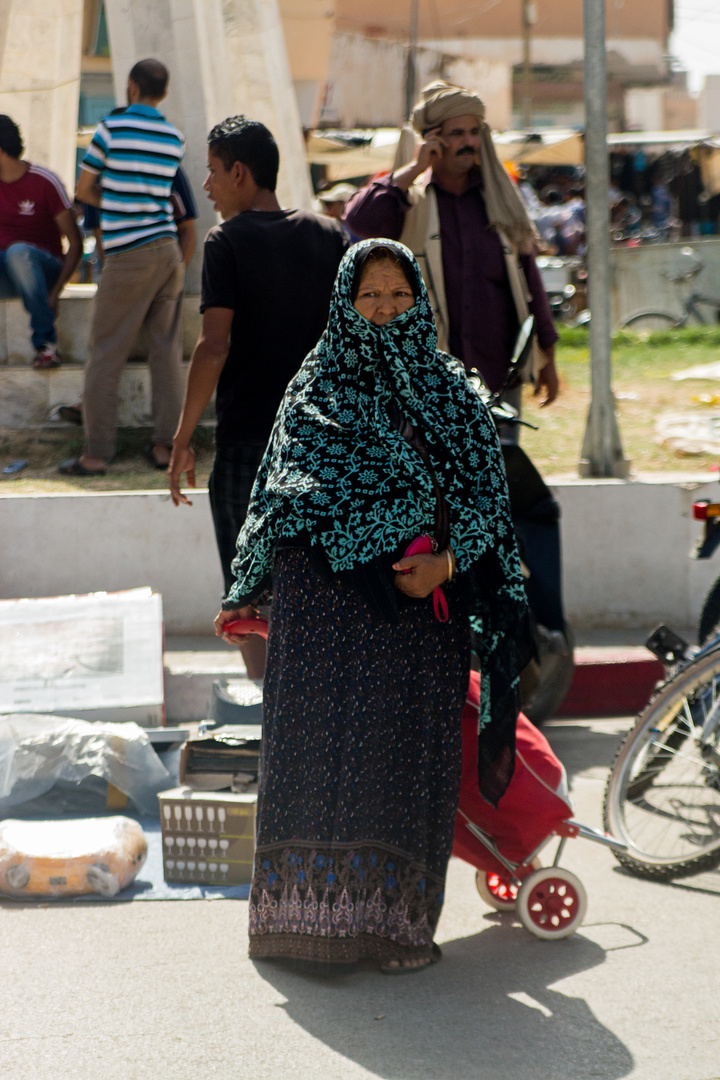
(504, 844)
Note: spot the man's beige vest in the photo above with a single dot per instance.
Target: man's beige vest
(421, 233)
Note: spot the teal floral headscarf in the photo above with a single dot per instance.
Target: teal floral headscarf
(336, 469)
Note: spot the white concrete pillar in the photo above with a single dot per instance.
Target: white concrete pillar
(224, 57)
(40, 53)
(263, 88)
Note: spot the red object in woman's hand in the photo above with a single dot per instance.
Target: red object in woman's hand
(246, 626)
(423, 545)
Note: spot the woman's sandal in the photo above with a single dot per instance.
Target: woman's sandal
(396, 967)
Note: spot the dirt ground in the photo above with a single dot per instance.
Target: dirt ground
(45, 448)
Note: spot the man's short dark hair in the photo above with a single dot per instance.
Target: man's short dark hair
(249, 142)
(151, 78)
(10, 138)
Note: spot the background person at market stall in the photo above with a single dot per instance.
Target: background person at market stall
(379, 440)
(457, 210)
(333, 199)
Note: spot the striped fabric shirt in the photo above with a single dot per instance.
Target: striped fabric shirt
(136, 154)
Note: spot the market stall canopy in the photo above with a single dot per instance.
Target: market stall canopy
(557, 146)
(364, 153)
(348, 154)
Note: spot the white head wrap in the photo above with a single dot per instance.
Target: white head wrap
(440, 101)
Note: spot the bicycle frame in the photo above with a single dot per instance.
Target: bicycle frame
(690, 308)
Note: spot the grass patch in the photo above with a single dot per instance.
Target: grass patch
(641, 369)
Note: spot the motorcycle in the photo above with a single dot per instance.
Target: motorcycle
(564, 282)
(536, 518)
(709, 513)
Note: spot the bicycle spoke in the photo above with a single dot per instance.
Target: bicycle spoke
(660, 813)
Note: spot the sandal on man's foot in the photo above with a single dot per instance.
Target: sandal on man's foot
(149, 455)
(397, 967)
(46, 358)
(71, 414)
(74, 467)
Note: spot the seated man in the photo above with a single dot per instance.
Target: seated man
(35, 213)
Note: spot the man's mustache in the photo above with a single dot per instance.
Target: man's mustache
(466, 150)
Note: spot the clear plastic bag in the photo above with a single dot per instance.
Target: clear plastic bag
(37, 751)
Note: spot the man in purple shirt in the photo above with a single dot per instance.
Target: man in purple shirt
(456, 209)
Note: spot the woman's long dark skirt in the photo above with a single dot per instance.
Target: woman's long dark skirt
(360, 774)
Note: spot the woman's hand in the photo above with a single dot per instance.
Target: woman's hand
(423, 573)
(222, 617)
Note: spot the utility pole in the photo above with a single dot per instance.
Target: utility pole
(411, 66)
(529, 18)
(602, 454)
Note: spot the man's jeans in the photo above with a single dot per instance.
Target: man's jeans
(27, 272)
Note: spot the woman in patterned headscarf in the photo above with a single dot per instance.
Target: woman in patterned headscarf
(379, 439)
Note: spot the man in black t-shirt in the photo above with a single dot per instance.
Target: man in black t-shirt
(266, 283)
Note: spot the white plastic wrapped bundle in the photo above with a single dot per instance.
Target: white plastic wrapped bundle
(70, 858)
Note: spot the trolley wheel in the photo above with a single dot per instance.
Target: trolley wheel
(497, 888)
(551, 903)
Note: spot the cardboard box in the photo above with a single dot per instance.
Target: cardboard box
(208, 836)
(91, 657)
(227, 757)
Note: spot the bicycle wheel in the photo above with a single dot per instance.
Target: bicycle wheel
(649, 321)
(663, 793)
(709, 624)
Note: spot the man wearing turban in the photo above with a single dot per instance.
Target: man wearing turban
(457, 210)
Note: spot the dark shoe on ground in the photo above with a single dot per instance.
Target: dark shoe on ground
(71, 414)
(47, 358)
(400, 967)
(74, 467)
(149, 455)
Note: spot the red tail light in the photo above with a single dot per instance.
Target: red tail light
(703, 510)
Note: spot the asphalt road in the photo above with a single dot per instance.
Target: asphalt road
(164, 990)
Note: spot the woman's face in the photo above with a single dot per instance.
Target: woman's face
(384, 292)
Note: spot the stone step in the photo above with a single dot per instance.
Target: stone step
(28, 397)
(192, 665)
(610, 680)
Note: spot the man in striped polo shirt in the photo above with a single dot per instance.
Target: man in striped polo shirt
(128, 172)
(35, 215)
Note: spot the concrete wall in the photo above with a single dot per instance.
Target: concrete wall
(626, 547)
(710, 103)
(365, 84)
(60, 544)
(40, 50)
(625, 552)
(637, 280)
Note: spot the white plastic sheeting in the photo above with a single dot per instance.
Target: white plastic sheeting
(37, 751)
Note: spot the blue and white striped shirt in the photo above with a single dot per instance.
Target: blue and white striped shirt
(136, 154)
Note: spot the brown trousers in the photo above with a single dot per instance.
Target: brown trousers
(140, 287)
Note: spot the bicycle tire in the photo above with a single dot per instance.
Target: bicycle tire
(709, 624)
(663, 793)
(651, 321)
